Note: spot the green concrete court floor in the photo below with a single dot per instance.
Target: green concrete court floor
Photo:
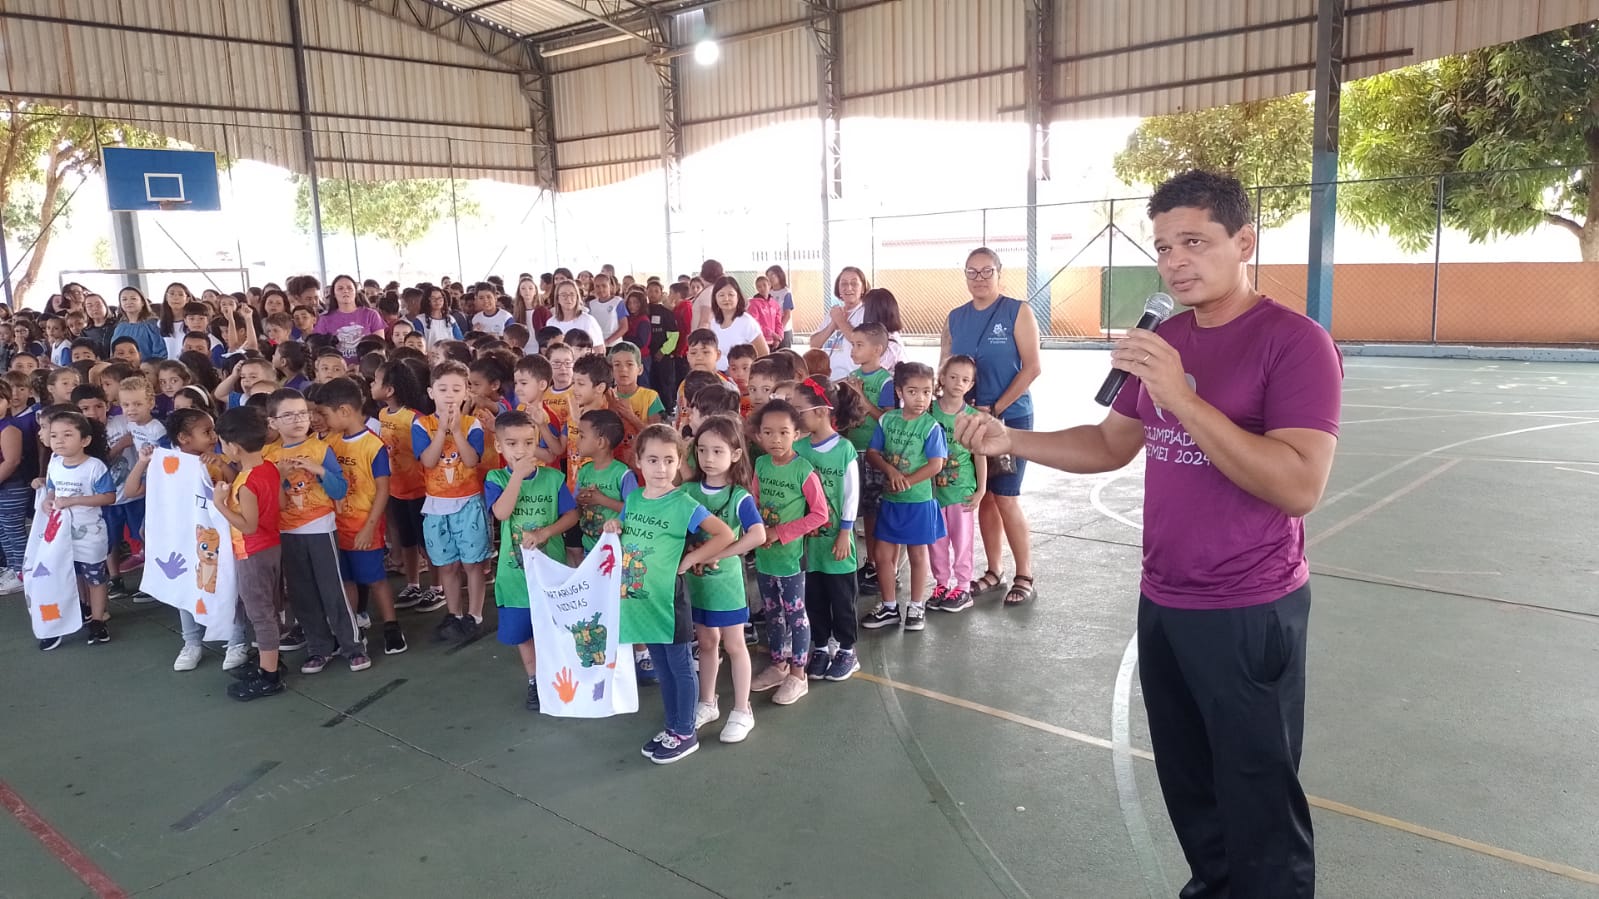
(1451, 735)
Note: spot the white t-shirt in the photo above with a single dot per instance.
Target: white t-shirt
(606, 313)
(87, 478)
(148, 434)
(744, 329)
(838, 348)
(492, 324)
(584, 321)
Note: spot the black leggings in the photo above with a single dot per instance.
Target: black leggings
(830, 604)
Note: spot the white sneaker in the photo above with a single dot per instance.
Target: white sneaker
(705, 713)
(738, 726)
(236, 656)
(363, 620)
(9, 581)
(188, 658)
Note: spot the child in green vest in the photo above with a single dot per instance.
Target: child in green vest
(958, 487)
(716, 591)
(534, 508)
(792, 503)
(909, 449)
(655, 522)
(830, 562)
(603, 482)
(876, 383)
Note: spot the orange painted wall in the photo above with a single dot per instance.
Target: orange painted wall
(1489, 302)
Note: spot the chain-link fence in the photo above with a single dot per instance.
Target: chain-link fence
(1464, 262)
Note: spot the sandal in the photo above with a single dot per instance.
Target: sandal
(1018, 593)
(987, 582)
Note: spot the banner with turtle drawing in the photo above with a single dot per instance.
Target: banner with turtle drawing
(582, 671)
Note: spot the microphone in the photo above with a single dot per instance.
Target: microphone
(1156, 309)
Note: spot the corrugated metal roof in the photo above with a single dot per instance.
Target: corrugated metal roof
(217, 70)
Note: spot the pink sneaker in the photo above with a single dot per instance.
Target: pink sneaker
(769, 679)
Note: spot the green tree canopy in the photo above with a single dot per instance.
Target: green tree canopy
(1260, 142)
(1515, 126)
(399, 213)
(45, 152)
(1519, 123)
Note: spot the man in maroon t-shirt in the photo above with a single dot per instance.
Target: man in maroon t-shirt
(1235, 405)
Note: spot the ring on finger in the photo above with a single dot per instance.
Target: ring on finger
(1148, 356)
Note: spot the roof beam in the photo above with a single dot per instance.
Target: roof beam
(462, 27)
(610, 14)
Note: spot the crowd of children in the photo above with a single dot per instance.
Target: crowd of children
(360, 434)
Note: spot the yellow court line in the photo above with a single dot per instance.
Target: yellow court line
(1448, 839)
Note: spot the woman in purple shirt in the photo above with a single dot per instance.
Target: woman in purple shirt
(349, 320)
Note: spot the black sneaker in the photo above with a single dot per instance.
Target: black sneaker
(868, 579)
(819, 663)
(532, 696)
(249, 670)
(393, 639)
(116, 588)
(881, 616)
(98, 632)
(49, 644)
(409, 597)
(432, 600)
(758, 616)
(292, 640)
(264, 683)
(957, 601)
(749, 633)
(467, 628)
(445, 630)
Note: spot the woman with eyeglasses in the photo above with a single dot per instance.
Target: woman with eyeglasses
(1002, 335)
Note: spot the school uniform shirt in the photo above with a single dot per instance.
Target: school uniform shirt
(645, 403)
(61, 353)
(450, 485)
(298, 382)
(792, 505)
(310, 499)
(490, 458)
(88, 478)
(364, 458)
(405, 472)
(555, 422)
(435, 330)
(957, 480)
(908, 444)
(263, 481)
(607, 313)
(837, 464)
(492, 324)
(542, 499)
(654, 535)
(722, 589)
(559, 402)
(615, 481)
(879, 389)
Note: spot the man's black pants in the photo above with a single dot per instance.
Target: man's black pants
(1225, 693)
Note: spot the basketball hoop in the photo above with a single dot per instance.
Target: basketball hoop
(169, 205)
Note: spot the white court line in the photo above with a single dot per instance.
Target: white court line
(1578, 470)
(1346, 493)
(1094, 499)
(1379, 504)
(1121, 759)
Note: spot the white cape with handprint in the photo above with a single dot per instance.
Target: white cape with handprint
(188, 545)
(49, 580)
(582, 672)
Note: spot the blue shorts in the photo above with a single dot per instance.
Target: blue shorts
(129, 515)
(93, 573)
(516, 625)
(708, 618)
(362, 566)
(459, 536)
(1011, 484)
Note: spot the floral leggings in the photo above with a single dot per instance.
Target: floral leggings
(788, 628)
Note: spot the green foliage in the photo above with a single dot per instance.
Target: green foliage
(1263, 142)
(397, 212)
(1516, 125)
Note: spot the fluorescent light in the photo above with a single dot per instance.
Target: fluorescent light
(707, 52)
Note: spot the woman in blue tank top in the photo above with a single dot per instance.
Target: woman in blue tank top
(1002, 335)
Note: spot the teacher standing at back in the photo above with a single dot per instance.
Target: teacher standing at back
(1002, 335)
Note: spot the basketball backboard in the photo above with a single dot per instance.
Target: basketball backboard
(140, 180)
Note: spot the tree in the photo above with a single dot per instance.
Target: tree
(1262, 142)
(1519, 123)
(397, 212)
(42, 148)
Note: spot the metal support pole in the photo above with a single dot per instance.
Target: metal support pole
(1324, 160)
(1437, 254)
(455, 212)
(667, 73)
(1109, 290)
(1260, 197)
(5, 264)
(827, 26)
(307, 138)
(129, 249)
(349, 197)
(1039, 102)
